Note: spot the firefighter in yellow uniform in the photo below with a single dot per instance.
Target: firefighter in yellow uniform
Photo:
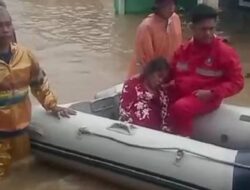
(19, 72)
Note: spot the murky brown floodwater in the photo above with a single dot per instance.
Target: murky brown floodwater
(84, 48)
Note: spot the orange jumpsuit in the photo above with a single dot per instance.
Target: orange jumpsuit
(155, 38)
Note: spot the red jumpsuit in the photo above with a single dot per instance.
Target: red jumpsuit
(196, 66)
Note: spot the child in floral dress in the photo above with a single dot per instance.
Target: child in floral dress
(145, 100)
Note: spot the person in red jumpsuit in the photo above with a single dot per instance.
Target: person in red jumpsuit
(206, 70)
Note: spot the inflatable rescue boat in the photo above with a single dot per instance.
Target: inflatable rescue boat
(217, 158)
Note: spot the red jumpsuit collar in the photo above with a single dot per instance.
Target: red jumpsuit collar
(199, 44)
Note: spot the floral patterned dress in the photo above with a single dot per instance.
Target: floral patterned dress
(141, 107)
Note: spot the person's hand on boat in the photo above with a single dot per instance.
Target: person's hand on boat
(203, 95)
(59, 112)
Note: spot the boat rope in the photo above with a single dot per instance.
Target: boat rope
(85, 131)
(124, 168)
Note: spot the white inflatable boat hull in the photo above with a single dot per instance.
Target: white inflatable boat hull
(147, 158)
(160, 159)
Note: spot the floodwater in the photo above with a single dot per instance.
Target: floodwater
(85, 48)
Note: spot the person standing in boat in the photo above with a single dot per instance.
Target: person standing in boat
(144, 100)
(159, 35)
(206, 70)
(19, 71)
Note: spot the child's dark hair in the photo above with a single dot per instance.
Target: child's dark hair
(202, 12)
(156, 65)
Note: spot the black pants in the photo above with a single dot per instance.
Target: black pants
(5, 135)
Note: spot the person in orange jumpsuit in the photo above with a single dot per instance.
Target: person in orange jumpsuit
(159, 35)
(206, 70)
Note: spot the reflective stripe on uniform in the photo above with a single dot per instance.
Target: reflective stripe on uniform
(9, 93)
(8, 98)
(209, 72)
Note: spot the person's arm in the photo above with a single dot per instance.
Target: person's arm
(234, 81)
(41, 90)
(144, 45)
(144, 49)
(177, 38)
(40, 86)
(127, 100)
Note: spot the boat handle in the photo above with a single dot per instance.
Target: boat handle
(83, 131)
(122, 128)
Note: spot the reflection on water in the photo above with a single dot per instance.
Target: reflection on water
(85, 48)
(70, 22)
(31, 175)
